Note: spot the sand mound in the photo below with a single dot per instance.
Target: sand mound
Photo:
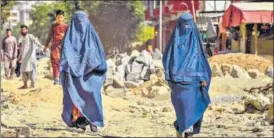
(246, 61)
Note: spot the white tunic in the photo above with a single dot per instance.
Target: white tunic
(28, 54)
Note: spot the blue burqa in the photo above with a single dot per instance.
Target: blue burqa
(186, 67)
(83, 68)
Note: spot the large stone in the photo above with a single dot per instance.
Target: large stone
(121, 72)
(216, 71)
(156, 91)
(142, 59)
(134, 53)
(253, 73)
(258, 102)
(269, 72)
(136, 67)
(226, 69)
(125, 59)
(160, 73)
(133, 76)
(130, 84)
(145, 73)
(237, 72)
(157, 54)
(158, 64)
(117, 83)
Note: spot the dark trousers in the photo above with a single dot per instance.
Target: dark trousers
(17, 69)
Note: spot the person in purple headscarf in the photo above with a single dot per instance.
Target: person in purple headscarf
(188, 74)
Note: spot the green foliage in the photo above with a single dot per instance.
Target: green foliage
(144, 33)
(139, 9)
(5, 12)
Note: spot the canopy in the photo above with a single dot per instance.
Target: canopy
(248, 12)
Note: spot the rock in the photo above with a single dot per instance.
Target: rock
(142, 59)
(157, 54)
(269, 72)
(145, 73)
(226, 69)
(134, 53)
(253, 73)
(270, 114)
(258, 102)
(216, 71)
(133, 76)
(237, 72)
(117, 83)
(166, 109)
(158, 64)
(136, 67)
(109, 89)
(125, 59)
(160, 73)
(157, 90)
(255, 130)
(121, 72)
(145, 92)
(238, 109)
(8, 132)
(130, 84)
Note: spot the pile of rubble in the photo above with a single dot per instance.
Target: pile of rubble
(236, 71)
(135, 71)
(245, 61)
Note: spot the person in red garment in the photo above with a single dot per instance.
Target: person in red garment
(56, 32)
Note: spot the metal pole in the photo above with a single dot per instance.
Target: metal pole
(193, 11)
(160, 26)
(215, 8)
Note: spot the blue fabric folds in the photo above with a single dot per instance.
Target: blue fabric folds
(185, 67)
(83, 67)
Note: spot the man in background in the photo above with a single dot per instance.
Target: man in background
(9, 48)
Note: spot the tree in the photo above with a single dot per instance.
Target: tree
(5, 11)
(117, 22)
(144, 33)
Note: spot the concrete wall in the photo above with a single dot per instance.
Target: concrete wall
(265, 47)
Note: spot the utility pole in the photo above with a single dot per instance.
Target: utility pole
(215, 8)
(161, 26)
(193, 10)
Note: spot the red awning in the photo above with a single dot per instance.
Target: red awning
(248, 12)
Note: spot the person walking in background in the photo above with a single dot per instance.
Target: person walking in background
(56, 32)
(27, 57)
(9, 48)
(208, 50)
(188, 74)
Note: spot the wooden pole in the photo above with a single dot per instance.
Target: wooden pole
(256, 38)
(243, 39)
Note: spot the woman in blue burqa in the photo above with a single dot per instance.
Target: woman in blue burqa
(83, 68)
(188, 74)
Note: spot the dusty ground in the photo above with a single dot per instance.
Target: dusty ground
(39, 109)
